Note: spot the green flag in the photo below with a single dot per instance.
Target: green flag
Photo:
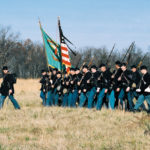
(53, 52)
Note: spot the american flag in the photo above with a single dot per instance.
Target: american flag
(64, 49)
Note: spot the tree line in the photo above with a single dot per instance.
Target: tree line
(27, 58)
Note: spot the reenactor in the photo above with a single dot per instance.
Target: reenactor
(84, 86)
(57, 86)
(53, 81)
(72, 87)
(136, 77)
(144, 89)
(78, 77)
(44, 81)
(48, 88)
(113, 97)
(124, 88)
(7, 88)
(93, 83)
(65, 92)
(75, 88)
(78, 74)
(104, 82)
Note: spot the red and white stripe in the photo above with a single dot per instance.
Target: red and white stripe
(65, 55)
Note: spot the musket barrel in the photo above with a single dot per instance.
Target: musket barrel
(110, 55)
(130, 48)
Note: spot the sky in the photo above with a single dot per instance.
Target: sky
(87, 23)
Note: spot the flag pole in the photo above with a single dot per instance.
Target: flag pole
(44, 44)
(60, 44)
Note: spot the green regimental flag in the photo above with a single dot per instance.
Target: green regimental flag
(53, 51)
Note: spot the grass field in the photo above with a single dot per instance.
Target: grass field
(37, 128)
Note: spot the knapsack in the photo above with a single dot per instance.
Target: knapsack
(14, 78)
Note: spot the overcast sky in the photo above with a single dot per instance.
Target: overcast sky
(93, 23)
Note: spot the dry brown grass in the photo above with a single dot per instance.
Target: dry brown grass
(37, 128)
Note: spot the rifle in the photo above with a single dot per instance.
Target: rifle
(110, 55)
(128, 51)
(91, 61)
(85, 63)
(140, 63)
(82, 66)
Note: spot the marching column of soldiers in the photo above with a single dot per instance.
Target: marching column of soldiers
(94, 87)
(90, 87)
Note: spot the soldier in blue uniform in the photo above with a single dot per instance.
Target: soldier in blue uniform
(93, 83)
(104, 82)
(84, 86)
(72, 88)
(136, 77)
(78, 78)
(144, 89)
(43, 83)
(124, 88)
(7, 88)
(57, 88)
(65, 90)
(113, 97)
(53, 82)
